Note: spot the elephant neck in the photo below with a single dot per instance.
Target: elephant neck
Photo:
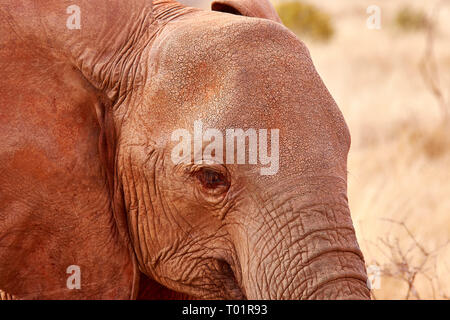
(105, 39)
(112, 55)
(115, 62)
(101, 38)
(168, 10)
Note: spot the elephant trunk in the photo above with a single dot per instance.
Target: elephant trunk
(302, 247)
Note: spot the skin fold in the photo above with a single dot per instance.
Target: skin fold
(86, 176)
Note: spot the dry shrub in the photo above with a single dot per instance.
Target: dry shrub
(407, 261)
(433, 142)
(437, 143)
(409, 19)
(306, 19)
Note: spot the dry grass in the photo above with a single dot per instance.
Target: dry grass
(399, 165)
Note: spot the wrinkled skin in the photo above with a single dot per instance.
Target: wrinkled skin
(86, 176)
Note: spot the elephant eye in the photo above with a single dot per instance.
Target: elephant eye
(211, 179)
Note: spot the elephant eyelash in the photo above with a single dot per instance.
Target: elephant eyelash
(211, 179)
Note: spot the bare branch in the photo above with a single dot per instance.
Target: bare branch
(400, 262)
(429, 66)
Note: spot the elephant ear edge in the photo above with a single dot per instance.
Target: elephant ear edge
(249, 8)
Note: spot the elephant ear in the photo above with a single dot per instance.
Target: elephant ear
(249, 8)
(63, 227)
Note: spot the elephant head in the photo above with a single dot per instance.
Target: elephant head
(212, 147)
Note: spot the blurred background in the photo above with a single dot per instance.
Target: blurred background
(387, 64)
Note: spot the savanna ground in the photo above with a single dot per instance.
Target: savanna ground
(399, 164)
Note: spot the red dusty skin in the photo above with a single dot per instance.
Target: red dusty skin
(86, 174)
(313, 254)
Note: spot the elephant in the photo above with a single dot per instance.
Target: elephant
(93, 204)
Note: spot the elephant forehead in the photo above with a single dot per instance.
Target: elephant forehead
(218, 60)
(238, 72)
(199, 57)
